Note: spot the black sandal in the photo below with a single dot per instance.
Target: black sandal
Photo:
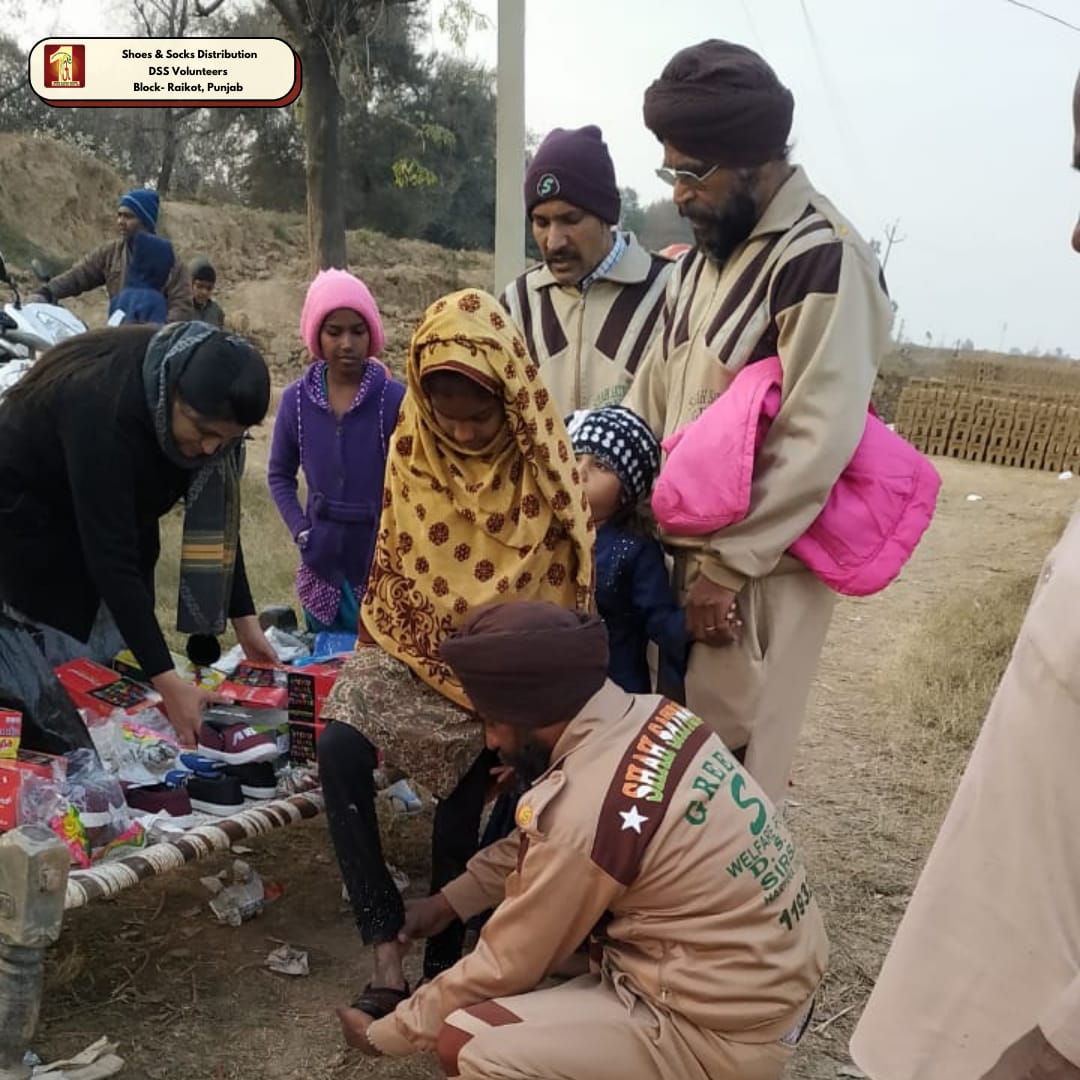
(380, 1001)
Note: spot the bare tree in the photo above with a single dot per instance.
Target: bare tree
(167, 18)
(321, 29)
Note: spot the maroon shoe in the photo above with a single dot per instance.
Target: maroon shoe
(162, 799)
(237, 745)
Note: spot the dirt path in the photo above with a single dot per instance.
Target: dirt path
(189, 999)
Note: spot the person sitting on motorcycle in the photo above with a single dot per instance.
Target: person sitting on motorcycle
(141, 300)
(108, 264)
(203, 280)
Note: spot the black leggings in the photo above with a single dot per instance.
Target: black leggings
(346, 762)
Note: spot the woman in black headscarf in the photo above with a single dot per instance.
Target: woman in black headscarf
(101, 438)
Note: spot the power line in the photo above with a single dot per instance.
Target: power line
(852, 146)
(1044, 14)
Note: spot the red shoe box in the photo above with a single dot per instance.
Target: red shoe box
(309, 688)
(261, 686)
(100, 690)
(10, 733)
(12, 775)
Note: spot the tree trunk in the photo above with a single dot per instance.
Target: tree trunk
(168, 152)
(325, 204)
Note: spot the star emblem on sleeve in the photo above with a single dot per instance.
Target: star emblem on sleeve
(632, 819)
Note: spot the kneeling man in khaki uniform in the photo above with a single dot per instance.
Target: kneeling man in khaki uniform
(642, 831)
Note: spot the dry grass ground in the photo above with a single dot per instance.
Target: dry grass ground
(903, 686)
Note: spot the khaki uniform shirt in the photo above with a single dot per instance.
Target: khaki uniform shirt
(646, 831)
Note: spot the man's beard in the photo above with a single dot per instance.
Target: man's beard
(719, 232)
(530, 759)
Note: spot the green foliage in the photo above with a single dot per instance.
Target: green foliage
(458, 19)
(411, 174)
(662, 225)
(633, 216)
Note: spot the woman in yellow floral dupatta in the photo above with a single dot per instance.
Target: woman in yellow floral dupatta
(482, 504)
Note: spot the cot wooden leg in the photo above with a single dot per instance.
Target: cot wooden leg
(33, 882)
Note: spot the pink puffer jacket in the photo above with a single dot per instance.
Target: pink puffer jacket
(871, 523)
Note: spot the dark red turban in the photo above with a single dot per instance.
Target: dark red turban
(721, 103)
(528, 664)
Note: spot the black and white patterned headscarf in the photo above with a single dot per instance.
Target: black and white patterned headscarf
(623, 442)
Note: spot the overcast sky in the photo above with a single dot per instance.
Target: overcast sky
(949, 116)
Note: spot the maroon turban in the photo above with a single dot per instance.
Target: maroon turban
(721, 103)
(528, 664)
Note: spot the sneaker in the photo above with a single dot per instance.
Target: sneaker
(195, 763)
(257, 780)
(236, 745)
(97, 810)
(221, 795)
(162, 799)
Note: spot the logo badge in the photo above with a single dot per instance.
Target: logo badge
(524, 816)
(65, 67)
(547, 186)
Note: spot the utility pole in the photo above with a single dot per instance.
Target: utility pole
(891, 238)
(510, 144)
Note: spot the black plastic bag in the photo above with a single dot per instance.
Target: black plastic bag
(51, 723)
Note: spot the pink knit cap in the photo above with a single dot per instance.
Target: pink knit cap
(333, 289)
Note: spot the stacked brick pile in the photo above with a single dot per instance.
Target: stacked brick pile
(1024, 425)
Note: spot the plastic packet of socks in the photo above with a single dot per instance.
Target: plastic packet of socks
(131, 839)
(96, 794)
(137, 749)
(69, 828)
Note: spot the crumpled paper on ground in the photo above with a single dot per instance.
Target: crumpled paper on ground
(288, 961)
(94, 1063)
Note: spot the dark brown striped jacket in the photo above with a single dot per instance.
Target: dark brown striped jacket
(807, 288)
(589, 345)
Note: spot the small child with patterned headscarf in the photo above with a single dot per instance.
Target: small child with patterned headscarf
(619, 459)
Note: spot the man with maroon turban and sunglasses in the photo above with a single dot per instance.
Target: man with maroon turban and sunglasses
(776, 271)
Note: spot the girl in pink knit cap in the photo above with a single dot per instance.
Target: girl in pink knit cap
(335, 423)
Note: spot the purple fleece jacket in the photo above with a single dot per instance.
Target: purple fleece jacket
(343, 462)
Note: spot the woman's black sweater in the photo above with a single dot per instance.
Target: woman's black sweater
(83, 483)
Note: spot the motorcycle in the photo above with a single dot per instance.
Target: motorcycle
(27, 330)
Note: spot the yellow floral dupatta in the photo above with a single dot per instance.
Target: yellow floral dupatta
(463, 528)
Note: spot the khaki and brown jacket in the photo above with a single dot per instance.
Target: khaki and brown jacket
(804, 287)
(107, 265)
(648, 834)
(588, 345)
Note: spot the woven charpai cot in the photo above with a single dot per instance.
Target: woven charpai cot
(107, 879)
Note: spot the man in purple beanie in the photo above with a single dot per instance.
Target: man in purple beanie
(108, 265)
(590, 310)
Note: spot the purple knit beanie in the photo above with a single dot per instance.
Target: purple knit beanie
(333, 289)
(574, 166)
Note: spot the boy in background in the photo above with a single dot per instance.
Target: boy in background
(203, 280)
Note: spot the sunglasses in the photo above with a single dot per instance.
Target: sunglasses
(687, 176)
